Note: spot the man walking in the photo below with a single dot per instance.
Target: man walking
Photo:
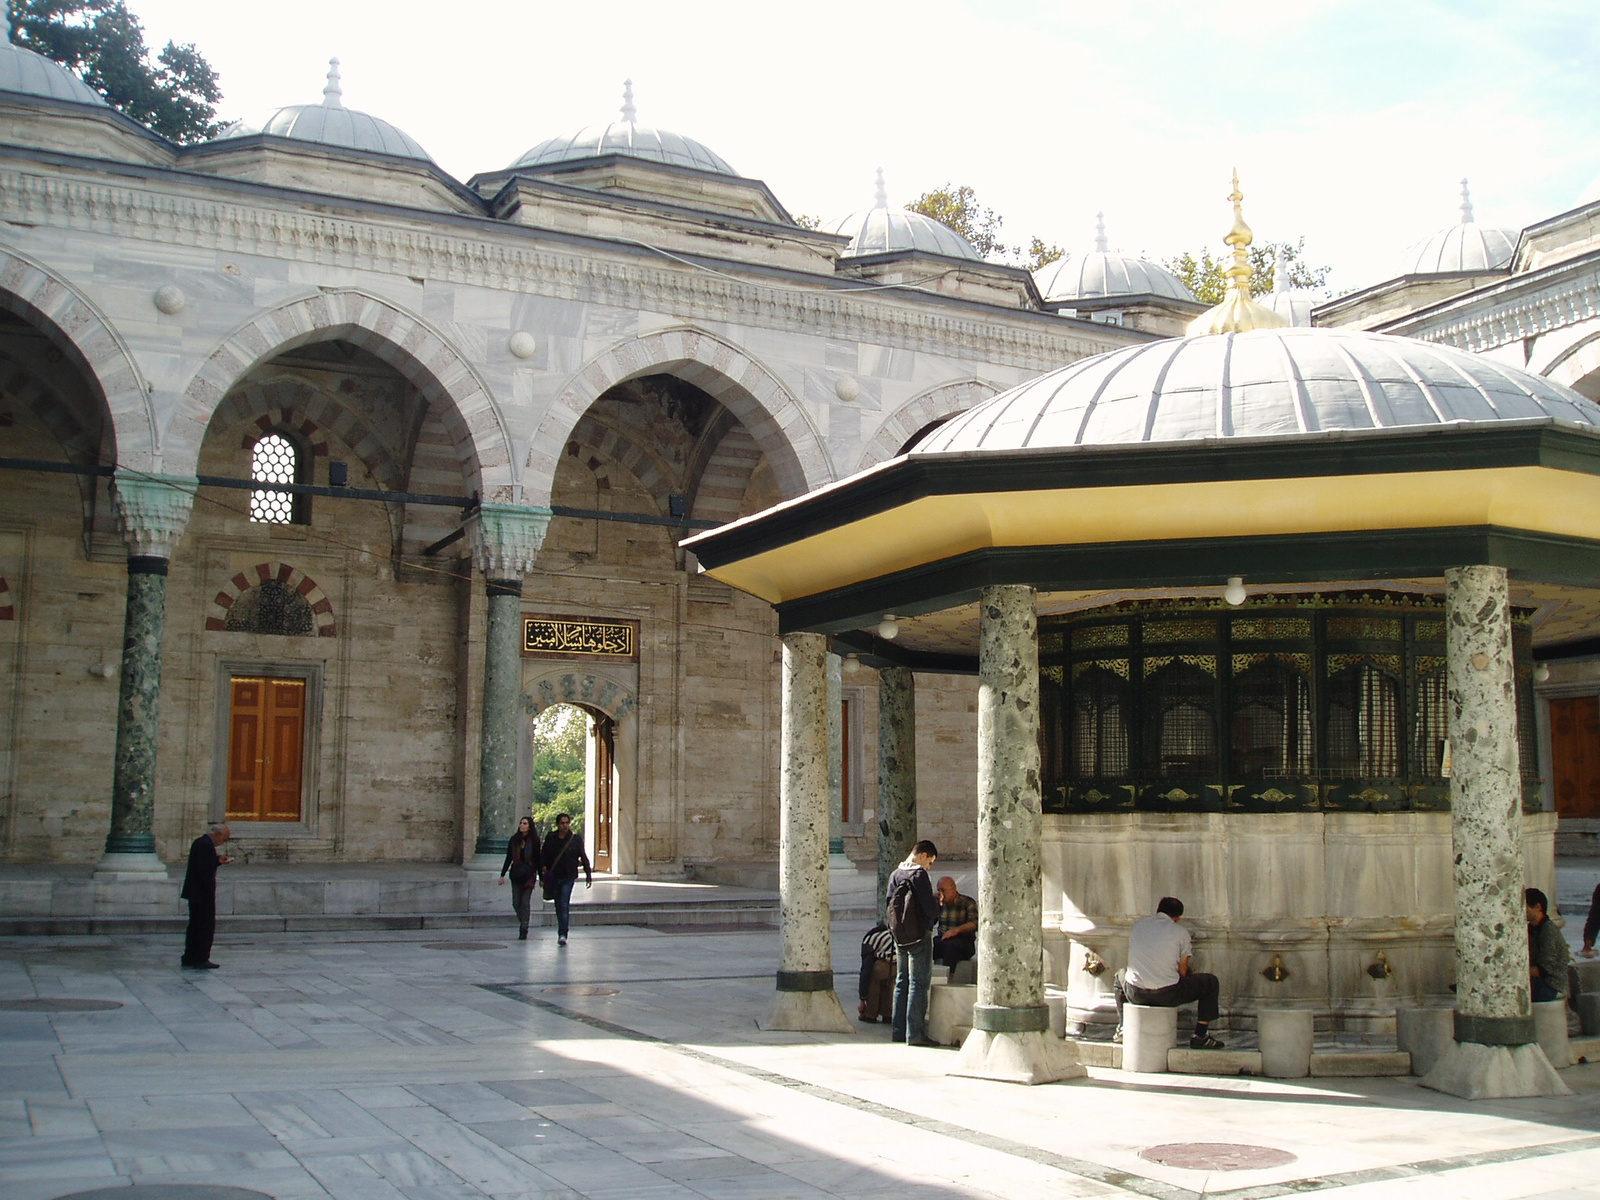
(912, 911)
(1158, 973)
(200, 890)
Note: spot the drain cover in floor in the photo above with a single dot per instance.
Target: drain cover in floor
(50, 1004)
(584, 991)
(463, 945)
(168, 1191)
(1217, 1156)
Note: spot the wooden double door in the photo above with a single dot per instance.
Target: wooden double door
(1575, 755)
(266, 748)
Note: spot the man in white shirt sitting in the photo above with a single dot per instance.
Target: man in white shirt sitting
(1158, 973)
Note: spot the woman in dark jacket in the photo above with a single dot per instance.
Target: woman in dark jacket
(522, 861)
(562, 856)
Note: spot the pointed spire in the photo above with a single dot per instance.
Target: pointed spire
(1280, 271)
(1466, 204)
(1100, 244)
(880, 194)
(333, 93)
(630, 114)
(1238, 312)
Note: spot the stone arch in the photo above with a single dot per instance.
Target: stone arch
(1575, 362)
(8, 603)
(935, 404)
(745, 387)
(447, 381)
(291, 577)
(726, 479)
(563, 685)
(39, 295)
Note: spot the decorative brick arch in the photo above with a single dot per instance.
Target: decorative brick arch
(40, 296)
(566, 686)
(447, 381)
(935, 404)
(312, 415)
(8, 603)
(291, 577)
(799, 458)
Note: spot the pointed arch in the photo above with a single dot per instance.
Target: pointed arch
(563, 685)
(402, 339)
(31, 290)
(293, 578)
(780, 426)
(936, 404)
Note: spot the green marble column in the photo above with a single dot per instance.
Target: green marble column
(152, 512)
(505, 540)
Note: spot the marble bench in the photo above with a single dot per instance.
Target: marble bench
(950, 1011)
(1148, 1034)
(1287, 1036)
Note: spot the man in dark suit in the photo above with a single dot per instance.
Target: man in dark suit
(200, 890)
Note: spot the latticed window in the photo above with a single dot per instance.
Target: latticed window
(275, 459)
(1364, 723)
(1099, 724)
(1182, 705)
(1271, 721)
(1433, 723)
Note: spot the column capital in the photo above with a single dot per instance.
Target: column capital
(152, 511)
(505, 538)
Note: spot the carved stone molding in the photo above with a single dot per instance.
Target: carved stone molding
(505, 538)
(1519, 308)
(153, 512)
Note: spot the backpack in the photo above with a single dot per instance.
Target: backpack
(904, 917)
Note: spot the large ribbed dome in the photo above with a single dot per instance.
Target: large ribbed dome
(1099, 274)
(1461, 248)
(1266, 383)
(332, 124)
(884, 230)
(629, 139)
(29, 74)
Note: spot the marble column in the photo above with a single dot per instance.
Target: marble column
(505, 541)
(152, 512)
(1011, 1038)
(805, 998)
(897, 771)
(1495, 1052)
(837, 861)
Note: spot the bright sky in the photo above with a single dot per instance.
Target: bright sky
(1351, 121)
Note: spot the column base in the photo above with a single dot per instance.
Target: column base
(138, 864)
(1031, 1057)
(840, 864)
(1476, 1072)
(486, 860)
(806, 1012)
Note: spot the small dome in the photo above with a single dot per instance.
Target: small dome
(1294, 305)
(1099, 274)
(1266, 383)
(884, 230)
(332, 124)
(28, 74)
(629, 139)
(1463, 247)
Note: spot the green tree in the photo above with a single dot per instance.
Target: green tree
(1041, 255)
(1204, 275)
(103, 43)
(957, 206)
(559, 735)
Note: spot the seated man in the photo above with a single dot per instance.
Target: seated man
(877, 975)
(958, 925)
(1547, 949)
(1158, 973)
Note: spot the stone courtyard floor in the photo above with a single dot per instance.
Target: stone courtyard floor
(435, 1065)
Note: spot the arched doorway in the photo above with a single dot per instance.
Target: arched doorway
(577, 755)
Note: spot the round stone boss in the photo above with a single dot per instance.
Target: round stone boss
(58, 1004)
(169, 1191)
(1217, 1156)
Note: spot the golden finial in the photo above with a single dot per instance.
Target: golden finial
(1238, 312)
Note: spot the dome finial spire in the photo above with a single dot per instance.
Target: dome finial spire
(630, 114)
(333, 91)
(880, 194)
(1466, 204)
(1238, 312)
(1100, 244)
(1280, 271)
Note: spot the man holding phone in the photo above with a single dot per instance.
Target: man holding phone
(200, 890)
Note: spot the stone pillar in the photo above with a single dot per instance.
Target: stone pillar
(505, 540)
(897, 771)
(1011, 1039)
(805, 998)
(837, 860)
(152, 512)
(1495, 1052)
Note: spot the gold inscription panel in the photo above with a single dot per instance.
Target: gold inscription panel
(568, 637)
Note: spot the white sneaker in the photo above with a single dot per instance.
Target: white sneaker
(561, 941)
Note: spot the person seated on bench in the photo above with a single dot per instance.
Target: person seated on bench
(1158, 974)
(1547, 950)
(958, 926)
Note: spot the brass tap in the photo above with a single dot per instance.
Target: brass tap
(1277, 972)
(1093, 963)
(1380, 968)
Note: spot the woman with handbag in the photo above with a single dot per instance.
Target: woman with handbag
(562, 856)
(522, 861)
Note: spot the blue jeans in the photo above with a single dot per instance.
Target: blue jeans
(564, 905)
(913, 975)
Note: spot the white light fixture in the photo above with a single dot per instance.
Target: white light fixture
(1541, 673)
(1234, 593)
(888, 628)
(851, 664)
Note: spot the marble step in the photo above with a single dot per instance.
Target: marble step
(1330, 1064)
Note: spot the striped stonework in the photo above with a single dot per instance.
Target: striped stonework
(290, 577)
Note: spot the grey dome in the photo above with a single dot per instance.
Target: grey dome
(1099, 274)
(630, 139)
(884, 230)
(1266, 383)
(29, 74)
(332, 124)
(1293, 306)
(1464, 247)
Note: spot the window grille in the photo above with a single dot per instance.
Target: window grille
(1271, 725)
(271, 607)
(1099, 725)
(1432, 724)
(1183, 709)
(1364, 723)
(274, 460)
